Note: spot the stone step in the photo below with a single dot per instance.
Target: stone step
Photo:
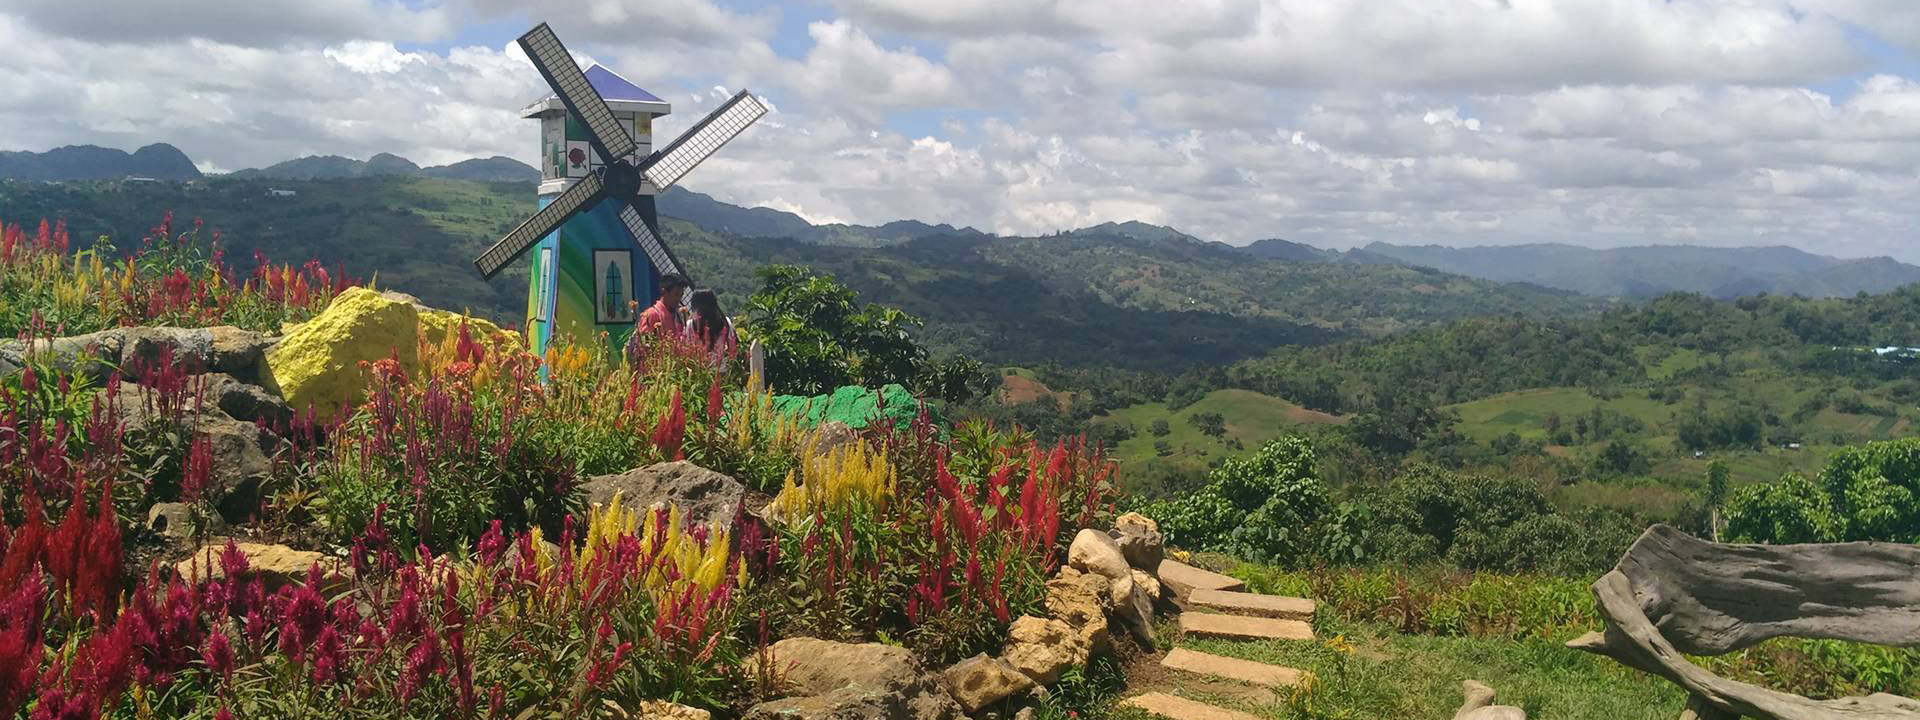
(1242, 603)
(1246, 671)
(1178, 708)
(1241, 627)
(1186, 578)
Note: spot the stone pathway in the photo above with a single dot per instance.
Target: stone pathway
(1232, 614)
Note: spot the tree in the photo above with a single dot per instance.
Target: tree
(1210, 424)
(819, 337)
(1620, 458)
(1160, 428)
(1863, 493)
(1716, 496)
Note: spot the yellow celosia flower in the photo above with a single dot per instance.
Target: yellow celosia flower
(700, 565)
(852, 474)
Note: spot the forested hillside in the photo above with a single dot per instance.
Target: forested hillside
(1088, 298)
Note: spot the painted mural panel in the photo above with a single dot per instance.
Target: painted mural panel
(613, 291)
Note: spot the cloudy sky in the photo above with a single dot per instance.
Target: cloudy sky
(1334, 122)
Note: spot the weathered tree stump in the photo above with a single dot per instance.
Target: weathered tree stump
(1673, 593)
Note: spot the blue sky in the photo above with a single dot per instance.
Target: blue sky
(1332, 122)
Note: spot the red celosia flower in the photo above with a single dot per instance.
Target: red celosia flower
(672, 428)
(20, 644)
(217, 653)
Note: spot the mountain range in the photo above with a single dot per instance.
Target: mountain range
(159, 161)
(1646, 271)
(1631, 272)
(333, 167)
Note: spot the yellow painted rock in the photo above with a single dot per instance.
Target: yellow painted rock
(318, 362)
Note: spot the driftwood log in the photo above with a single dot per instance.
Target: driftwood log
(1673, 593)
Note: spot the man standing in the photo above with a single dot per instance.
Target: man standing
(663, 316)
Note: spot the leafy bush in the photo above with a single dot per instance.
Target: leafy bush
(1863, 493)
(1265, 507)
(818, 337)
(1493, 523)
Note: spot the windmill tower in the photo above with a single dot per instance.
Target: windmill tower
(596, 241)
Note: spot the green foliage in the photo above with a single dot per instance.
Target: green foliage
(1209, 424)
(819, 337)
(1265, 507)
(1500, 524)
(1863, 493)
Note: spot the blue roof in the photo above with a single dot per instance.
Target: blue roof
(613, 87)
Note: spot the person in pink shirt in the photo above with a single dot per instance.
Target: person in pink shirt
(663, 316)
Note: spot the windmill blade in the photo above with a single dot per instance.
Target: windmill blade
(551, 58)
(656, 250)
(581, 196)
(666, 167)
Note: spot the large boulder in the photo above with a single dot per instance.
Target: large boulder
(1140, 541)
(241, 450)
(980, 681)
(1042, 648)
(703, 496)
(845, 681)
(317, 364)
(274, 565)
(1092, 551)
(830, 436)
(1081, 600)
(1133, 608)
(246, 401)
(133, 350)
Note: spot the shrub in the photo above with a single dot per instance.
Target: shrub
(1266, 507)
(1494, 523)
(819, 337)
(1863, 493)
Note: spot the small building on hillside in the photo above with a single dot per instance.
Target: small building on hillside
(277, 192)
(138, 180)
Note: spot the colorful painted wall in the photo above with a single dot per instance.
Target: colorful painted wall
(588, 281)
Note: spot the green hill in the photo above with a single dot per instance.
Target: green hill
(1085, 299)
(1655, 270)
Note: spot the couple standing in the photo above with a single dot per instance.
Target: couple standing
(704, 324)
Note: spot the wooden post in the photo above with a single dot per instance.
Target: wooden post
(757, 366)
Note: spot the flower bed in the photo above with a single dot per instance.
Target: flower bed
(475, 581)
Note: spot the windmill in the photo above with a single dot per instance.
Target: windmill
(596, 193)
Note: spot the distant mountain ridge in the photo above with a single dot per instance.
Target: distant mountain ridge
(761, 222)
(333, 167)
(159, 161)
(1657, 269)
(1632, 272)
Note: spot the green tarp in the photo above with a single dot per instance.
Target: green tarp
(857, 407)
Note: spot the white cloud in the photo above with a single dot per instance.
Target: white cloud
(1337, 122)
(252, 23)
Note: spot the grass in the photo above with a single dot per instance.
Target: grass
(1525, 412)
(1251, 418)
(1364, 670)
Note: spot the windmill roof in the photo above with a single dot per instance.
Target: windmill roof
(620, 93)
(613, 87)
